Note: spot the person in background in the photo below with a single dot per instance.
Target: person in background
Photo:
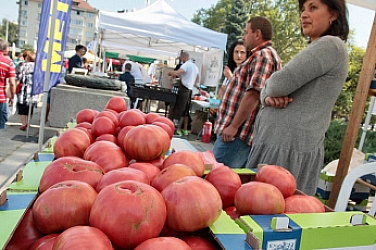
(19, 60)
(76, 60)
(20, 63)
(239, 105)
(7, 71)
(24, 98)
(298, 100)
(128, 78)
(189, 78)
(152, 71)
(85, 63)
(135, 72)
(236, 55)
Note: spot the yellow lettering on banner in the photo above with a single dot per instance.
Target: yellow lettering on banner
(63, 7)
(55, 57)
(58, 37)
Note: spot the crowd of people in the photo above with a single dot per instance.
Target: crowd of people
(268, 114)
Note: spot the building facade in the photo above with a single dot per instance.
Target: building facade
(83, 26)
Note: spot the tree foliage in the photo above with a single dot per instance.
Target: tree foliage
(27, 47)
(235, 19)
(287, 40)
(12, 31)
(231, 17)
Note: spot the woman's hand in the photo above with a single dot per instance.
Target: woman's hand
(278, 102)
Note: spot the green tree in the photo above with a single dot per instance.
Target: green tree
(235, 19)
(28, 47)
(342, 108)
(12, 30)
(283, 14)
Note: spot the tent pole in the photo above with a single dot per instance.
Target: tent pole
(357, 111)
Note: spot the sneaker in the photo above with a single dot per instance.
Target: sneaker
(178, 132)
(185, 132)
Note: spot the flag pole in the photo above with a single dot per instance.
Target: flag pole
(47, 75)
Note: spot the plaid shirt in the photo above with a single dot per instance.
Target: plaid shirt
(251, 74)
(7, 70)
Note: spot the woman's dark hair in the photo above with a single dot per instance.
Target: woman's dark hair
(230, 54)
(339, 27)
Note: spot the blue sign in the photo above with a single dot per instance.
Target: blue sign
(63, 10)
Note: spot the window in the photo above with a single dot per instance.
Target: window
(90, 15)
(23, 23)
(23, 33)
(24, 2)
(78, 13)
(89, 34)
(75, 32)
(72, 40)
(90, 25)
(22, 43)
(76, 22)
(24, 13)
(39, 5)
(39, 14)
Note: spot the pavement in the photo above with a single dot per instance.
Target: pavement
(17, 147)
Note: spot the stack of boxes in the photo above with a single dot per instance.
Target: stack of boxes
(360, 193)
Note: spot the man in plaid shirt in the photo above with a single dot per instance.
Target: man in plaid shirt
(238, 108)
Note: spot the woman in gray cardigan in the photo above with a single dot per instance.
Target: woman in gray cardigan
(297, 101)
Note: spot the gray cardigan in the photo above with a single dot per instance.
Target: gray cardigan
(293, 137)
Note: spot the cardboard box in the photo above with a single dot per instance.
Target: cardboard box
(325, 185)
(265, 235)
(352, 205)
(12, 212)
(245, 174)
(312, 231)
(228, 234)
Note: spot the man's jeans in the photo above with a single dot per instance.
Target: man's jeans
(233, 154)
(3, 114)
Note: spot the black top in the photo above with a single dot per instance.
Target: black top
(128, 79)
(75, 62)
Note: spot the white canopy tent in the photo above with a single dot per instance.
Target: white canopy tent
(362, 93)
(158, 27)
(158, 31)
(368, 4)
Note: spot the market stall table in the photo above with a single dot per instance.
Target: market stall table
(150, 92)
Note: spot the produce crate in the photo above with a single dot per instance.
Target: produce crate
(339, 230)
(153, 93)
(228, 234)
(352, 205)
(359, 192)
(32, 173)
(12, 212)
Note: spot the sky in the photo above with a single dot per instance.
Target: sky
(360, 19)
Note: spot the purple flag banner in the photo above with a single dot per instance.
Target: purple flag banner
(61, 29)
